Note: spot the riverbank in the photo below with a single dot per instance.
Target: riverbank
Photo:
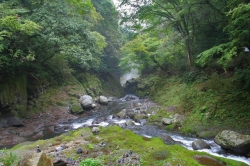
(111, 148)
(210, 104)
(109, 145)
(36, 127)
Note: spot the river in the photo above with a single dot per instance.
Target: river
(106, 116)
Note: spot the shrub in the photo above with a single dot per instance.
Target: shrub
(91, 162)
(7, 158)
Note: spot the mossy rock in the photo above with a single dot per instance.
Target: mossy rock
(76, 109)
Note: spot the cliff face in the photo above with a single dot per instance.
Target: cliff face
(26, 97)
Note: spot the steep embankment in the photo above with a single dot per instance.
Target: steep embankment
(46, 106)
(209, 103)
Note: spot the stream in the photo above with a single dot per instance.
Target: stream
(105, 116)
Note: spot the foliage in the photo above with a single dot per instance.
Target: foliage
(15, 34)
(109, 28)
(7, 158)
(239, 36)
(210, 103)
(181, 17)
(69, 34)
(243, 77)
(147, 52)
(90, 162)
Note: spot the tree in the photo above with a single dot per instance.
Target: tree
(109, 28)
(184, 17)
(68, 33)
(15, 37)
(238, 30)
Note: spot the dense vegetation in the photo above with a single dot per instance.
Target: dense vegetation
(205, 46)
(49, 43)
(192, 54)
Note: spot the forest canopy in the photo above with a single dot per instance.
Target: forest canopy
(44, 41)
(207, 32)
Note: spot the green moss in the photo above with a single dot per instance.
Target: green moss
(119, 141)
(215, 101)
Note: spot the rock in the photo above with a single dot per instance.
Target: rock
(137, 106)
(76, 109)
(234, 141)
(26, 133)
(130, 123)
(60, 148)
(200, 144)
(111, 99)
(168, 139)
(38, 135)
(102, 144)
(59, 161)
(51, 129)
(122, 114)
(167, 121)
(14, 121)
(79, 150)
(103, 100)
(131, 114)
(86, 101)
(3, 123)
(178, 119)
(143, 121)
(95, 130)
(34, 159)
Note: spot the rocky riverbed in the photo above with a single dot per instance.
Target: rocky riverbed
(34, 128)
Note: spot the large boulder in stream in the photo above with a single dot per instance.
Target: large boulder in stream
(103, 100)
(122, 114)
(200, 144)
(234, 141)
(86, 101)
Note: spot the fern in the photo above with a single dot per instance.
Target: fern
(223, 52)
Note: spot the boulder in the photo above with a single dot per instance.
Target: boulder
(167, 121)
(86, 101)
(59, 161)
(178, 119)
(111, 99)
(34, 159)
(95, 130)
(234, 141)
(76, 109)
(38, 135)
(130, 113)
(14, 121)
(103, 100)
(200, 144)
(122, 114)
(168, 139)
(130, 123)
(79, 151)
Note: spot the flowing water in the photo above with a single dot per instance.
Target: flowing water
(105, 116)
